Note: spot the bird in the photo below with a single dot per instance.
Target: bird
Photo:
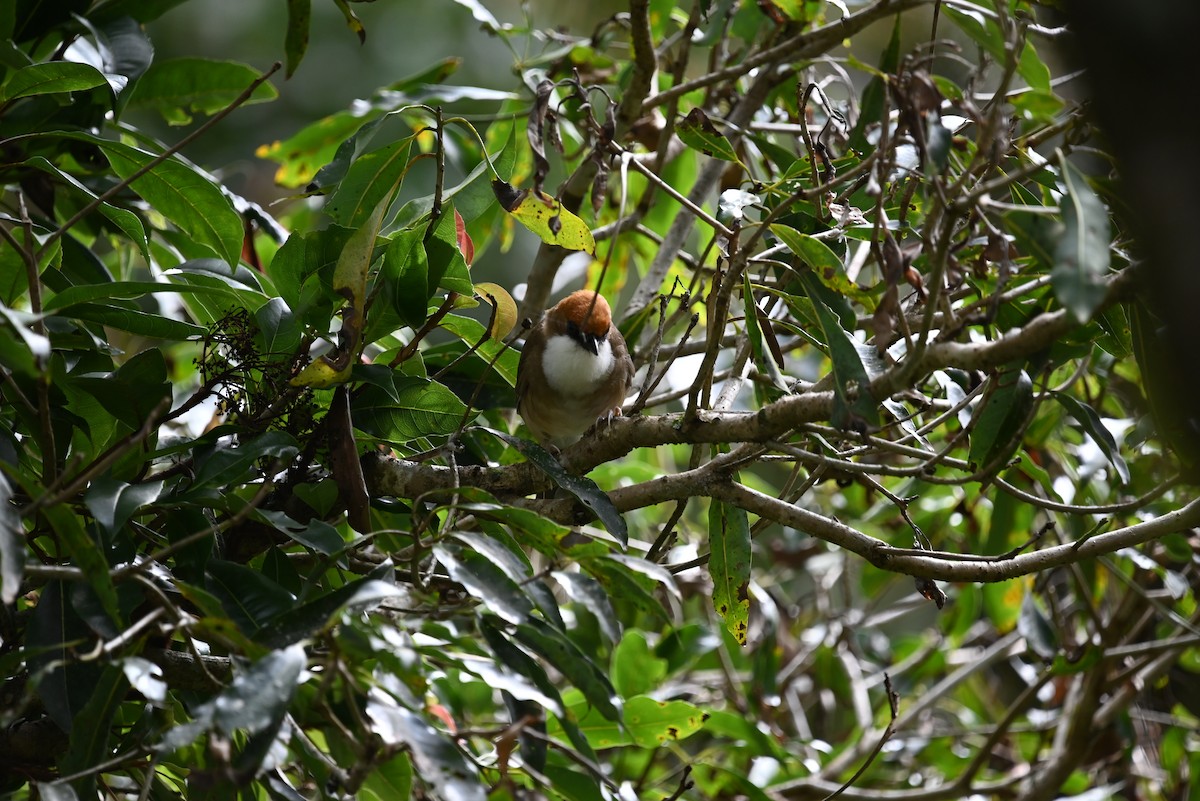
(574, 370)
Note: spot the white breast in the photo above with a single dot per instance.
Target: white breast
(572, 370)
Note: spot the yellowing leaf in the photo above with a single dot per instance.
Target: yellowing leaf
(545, 216)
(319, 374)
(506, 308)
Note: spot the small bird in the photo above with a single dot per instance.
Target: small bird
(574, 370)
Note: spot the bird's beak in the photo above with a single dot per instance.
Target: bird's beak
(592, 343)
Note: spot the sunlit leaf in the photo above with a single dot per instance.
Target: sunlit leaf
(546, 217)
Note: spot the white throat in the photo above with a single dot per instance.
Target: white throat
(573, 370)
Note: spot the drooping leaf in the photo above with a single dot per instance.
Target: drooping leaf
(854, 407)
(1082, 258)
(567, 658)
(297, 623)
(295, 43)
(1035, 627)
(258, 699)
(582, 487)
(588, 593)
(997, 424)
(249, 598)
(88, 745)
(1087, 417)
(729, 566)
(84, 552)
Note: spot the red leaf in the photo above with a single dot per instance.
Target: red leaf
(464, 239)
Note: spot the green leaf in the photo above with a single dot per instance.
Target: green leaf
(135, 321)
(51, 77)
(635, 668)
(851, 409)
(472, 331)
(113, 502)
(522, 664)
(249, 598)
(484, 580)
(226, 465)
(1087, 417)
(55, 630)
(130, 290)
(88, 745)
(697, 132)
(587, 592)
(825, 264)
(304, 153)
(996, 425)
(129, 223)
(647, 723)
(258, 699)
(177, 88)
(582, 487)
(1035, 627)
(180, 193)
(372, 179)
(435, 757)
(391, 780)
(626, 586)
(417, 408)
(85, 553)
(566, 657)
(295, 42)
(1083, 251)
(279, 330)
(447, 267)
(404, 279)
(12, 545)
(317, 615)
(987, 34)
(729, 566)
